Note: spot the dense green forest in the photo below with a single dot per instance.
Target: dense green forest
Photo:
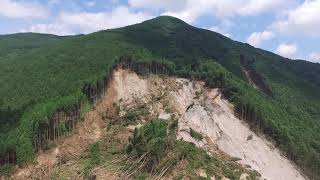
(45, 77)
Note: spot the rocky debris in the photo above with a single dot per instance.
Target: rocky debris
(214, 117)
(205, 111)
(195, 106)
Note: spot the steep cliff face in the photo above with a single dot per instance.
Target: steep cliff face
(195, 107)
(214, 117)
(205, 111)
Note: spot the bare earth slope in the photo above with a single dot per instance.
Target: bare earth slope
(205, 111)
(195, 106)
(214, 117)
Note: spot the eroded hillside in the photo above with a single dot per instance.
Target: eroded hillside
(48, 80)
(106, 144)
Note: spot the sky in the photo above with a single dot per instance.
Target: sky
(290, 28)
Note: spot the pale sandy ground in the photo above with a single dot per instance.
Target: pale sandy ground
(213, 117)
(196, 107)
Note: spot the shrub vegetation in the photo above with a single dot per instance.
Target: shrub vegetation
(41, 75)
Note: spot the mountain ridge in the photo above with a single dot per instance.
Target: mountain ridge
(50, 73)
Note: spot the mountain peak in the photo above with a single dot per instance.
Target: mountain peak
(168, 18)
(166, 21)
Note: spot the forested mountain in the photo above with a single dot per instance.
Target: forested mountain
(41, 75)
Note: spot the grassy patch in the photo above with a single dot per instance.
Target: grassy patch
(150, 139)
(213, 166)
(117, 108)
(164, 153)
(173, 125)
(196, 135)
(141, 176)
(131, 115)
(92, 160)
(56, 176)
(6, 169)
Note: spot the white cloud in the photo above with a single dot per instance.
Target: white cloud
(55, 28)
(253, 7)
(220, 30)
(287, 50)
(256, 38)
(90, 22)
(158, 4)
(190, 10)
(314, 57)
(305, 20)
(87, 22)
(21, 9)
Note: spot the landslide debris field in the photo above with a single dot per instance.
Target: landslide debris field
(160, 127)
(53, 90)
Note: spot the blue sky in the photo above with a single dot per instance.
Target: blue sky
(290, 28)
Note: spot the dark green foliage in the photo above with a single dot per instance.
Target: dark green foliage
(196, 135)
(141, 177)
(62, 127)
(174, 125)
(41, 74)
(94, 153)
(92, 160)
(161, 150)
(5, 170)
(132, 115)
(196, 157)
(199, 159)
(150, 139)
(117, 108)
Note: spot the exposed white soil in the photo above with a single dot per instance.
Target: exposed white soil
(213, 117)
(129, 85)
(205, 111)
(195, 106)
